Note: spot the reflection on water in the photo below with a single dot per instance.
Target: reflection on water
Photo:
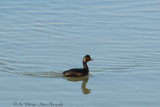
(53, 74)
(84, 82)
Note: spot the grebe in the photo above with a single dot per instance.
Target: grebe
(79, 72)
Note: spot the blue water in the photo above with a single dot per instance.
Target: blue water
(41, 39)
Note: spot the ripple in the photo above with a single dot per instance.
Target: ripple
(51, 74)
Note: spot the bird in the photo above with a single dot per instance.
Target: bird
(76, 72)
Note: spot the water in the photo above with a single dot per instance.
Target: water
(41, 39)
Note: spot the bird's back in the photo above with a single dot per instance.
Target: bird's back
(75, 72)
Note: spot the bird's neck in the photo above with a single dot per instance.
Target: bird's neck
(85, 65)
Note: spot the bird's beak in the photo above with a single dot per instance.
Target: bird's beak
(91, 60)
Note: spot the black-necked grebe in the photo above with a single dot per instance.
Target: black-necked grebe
(79, 72)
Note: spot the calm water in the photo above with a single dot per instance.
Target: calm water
(41, 39)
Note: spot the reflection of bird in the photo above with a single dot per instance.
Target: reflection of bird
(83, 86)
(79, 72)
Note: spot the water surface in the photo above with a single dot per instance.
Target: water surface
(41, 39)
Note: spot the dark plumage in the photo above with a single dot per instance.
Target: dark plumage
(79, 72)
